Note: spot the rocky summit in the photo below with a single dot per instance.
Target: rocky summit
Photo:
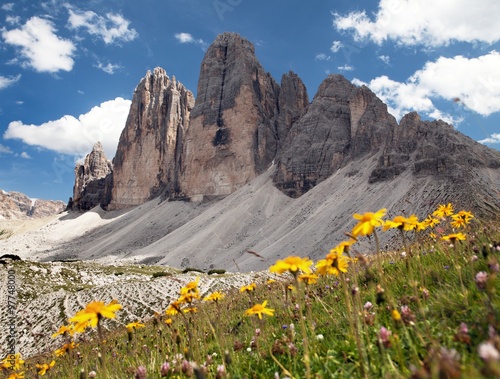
(148, 157)
(93, 180)
(239, 121)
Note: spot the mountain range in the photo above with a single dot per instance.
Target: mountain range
(253, 165)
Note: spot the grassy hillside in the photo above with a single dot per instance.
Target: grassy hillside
(429, 310)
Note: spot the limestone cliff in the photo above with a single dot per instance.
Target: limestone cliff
(240, 118)
(343, 121)
(92, 180)
(149, 151)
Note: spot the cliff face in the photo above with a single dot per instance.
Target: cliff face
(240, 118)
(343, 122)
(148, 156)
(18, 206)
(92, 181)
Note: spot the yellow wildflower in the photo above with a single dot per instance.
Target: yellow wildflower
(192, 286)
(190, 310)
(308, 278)
(367, 222)
(411, 223)
(443, 210)
(396, 316)
(454, 237)
(214, 296)
(65, 348)
(461, 219)
(13, 361)
(65, 329)
(173, 308)
(397, 222)
(93, 312)
(431, 221)
(248, 288)
(134, 325)
(259, 310)
(292, 264)
(188, 298)
(16, 375)
(334, 264)
(43, 368)
(168, 321)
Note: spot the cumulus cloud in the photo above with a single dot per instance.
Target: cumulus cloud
(7, 81)
(76, 136)
(336, 46)
(5, 149)
(25, 155)
(188, 38)
(112, 28)
(472, 82)
(39, 47)
(109, 68)
(494, 138)
(425, 22)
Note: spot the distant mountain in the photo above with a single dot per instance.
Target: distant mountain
(18, 206)
(273, 172)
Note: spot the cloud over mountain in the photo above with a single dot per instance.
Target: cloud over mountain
(76, 136)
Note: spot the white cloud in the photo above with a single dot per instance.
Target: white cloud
(25, 155)
(40, 47)
(336, 46)
(112, 28)
(322, 57)
(385, 58)
(76, 136)
(345, 67)
(5, 149)
(426, 22)
(188, 38)
(13, 20)
(494, 138)
(474, 83)
(8, 7)
(109, 68)
(7, 81)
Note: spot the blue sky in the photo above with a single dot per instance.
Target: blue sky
(69, 68)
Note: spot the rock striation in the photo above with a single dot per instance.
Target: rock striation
(239, 121)
(18, 206)
(93, 180)
(148, 156)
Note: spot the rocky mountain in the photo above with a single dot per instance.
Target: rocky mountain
(240, 118)
(18, 206)
(93, 181)
(148, 157)
(279, 175)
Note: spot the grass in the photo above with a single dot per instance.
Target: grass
(429, 312)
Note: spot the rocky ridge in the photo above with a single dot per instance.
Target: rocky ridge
(18, 206)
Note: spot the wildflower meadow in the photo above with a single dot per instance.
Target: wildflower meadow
(426, 309)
